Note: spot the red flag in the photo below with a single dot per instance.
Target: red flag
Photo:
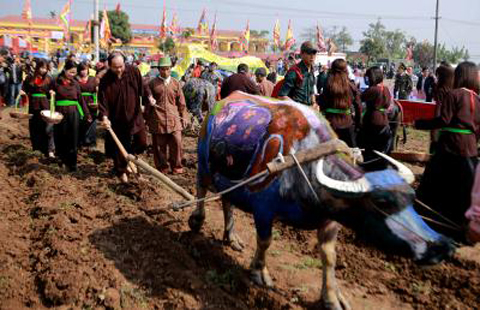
(320, 40)
(409, 52)
(163, 25)
(27, 12)
(213, 35)
(117, 8)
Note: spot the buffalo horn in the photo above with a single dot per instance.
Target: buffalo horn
(403, 170)
(358, 186)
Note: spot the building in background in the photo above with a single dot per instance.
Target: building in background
(45, 35)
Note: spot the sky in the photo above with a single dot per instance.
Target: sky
(459, 24)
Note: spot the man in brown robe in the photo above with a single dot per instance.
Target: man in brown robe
(239, 81)
(266, 87)
(119, 95)
(166, 116)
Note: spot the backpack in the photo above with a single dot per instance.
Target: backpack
(279, 84)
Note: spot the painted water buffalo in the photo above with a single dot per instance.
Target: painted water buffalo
(243, 133)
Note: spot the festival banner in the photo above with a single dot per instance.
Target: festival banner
(87, 33)
(105, 32)
(174, 28)
(213, 35)
(163, 25)
(409, 55)
(322, 47)
(64, 20)
(27, 12)
(289, 39)
(245, 38)
(202, 27)
(276, 33)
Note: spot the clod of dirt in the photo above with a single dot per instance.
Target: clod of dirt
(112, 299)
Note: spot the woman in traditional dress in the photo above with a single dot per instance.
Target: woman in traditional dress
(375, 133)
(88, 87)
(339, 101)
(70, 103)
(443, 86)
(448, 178)
(37, 87)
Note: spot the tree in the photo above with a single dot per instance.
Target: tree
(373, 44)
(167, 46)
(341, 38)
(395, 44)
(308, 34)
(187, 33)
(259, 33)
(423, 53)
(453, 56)
(119, 25)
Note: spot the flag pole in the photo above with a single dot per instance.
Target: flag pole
(69, 22)
(96, 30)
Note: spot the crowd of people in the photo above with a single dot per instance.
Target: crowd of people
(116, 95)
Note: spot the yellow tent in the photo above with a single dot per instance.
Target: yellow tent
(144, 68)
(188, 52)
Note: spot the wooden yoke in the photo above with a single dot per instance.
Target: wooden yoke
(323, 149)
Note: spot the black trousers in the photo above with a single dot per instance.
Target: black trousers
(134, 144)
(374, 138)
(66, 139)
(446, 187)
(41, 133)
(88, 133)
(347, 135)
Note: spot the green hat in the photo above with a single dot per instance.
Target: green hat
(164, 62)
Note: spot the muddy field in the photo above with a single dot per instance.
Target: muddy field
(83, 241)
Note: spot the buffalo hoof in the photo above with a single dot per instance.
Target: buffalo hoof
(195, 222)
(261, 277)
(338, 303)
(234, 241)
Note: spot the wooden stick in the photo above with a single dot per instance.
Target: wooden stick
(52, 105)
(163, 178)
(321, 150)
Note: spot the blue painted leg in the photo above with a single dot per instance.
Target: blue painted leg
(229, 235)
(332, 298)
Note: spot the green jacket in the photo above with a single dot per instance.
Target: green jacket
(299, 92)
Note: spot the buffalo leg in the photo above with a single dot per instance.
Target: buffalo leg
(331, 296)
(229, 235)
(198, 215)
(260, 274)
